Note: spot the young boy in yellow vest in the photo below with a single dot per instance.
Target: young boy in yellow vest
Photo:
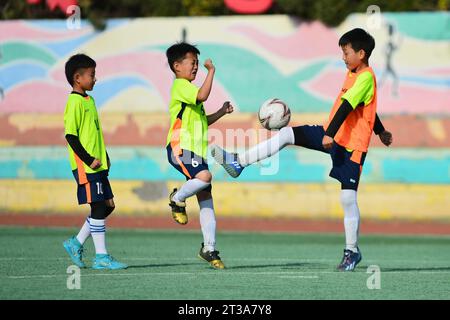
(345, 136)
(187, 143)
(89, 162)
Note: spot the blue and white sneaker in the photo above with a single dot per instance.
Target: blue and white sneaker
(75, 250)
(229, 161)
(106, 261)
(350, 260)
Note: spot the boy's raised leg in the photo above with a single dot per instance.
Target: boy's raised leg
(229, 161)
(177, 199)
(234, 164)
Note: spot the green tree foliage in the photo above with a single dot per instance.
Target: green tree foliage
(331, 12)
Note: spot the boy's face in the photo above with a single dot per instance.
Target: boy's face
(85, 78)
(352, 58)
(187, 68)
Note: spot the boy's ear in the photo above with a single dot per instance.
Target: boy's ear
(176, 65)
(76, 77)
(362, 54)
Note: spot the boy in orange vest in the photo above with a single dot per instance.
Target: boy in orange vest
(345, 136)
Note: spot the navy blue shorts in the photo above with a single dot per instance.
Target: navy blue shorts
(96, 189)
(188, 164)
(347, 166)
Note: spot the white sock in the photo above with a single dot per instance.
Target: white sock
(351, 219)
(85, 231)
(208, 224)
(268, 148)
(98, 230)
(189, 188)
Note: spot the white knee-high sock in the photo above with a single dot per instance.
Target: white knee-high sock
(268, 148)
(98, 231)
(208, 224)
(85, 231)
(351, 219)
(189, 188)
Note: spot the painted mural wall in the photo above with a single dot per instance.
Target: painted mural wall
(257, 58)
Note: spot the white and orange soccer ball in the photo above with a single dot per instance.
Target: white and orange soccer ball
(274, 114)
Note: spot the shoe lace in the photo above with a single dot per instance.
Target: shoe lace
(111, 258)
(347, 258)
(214, 255)
(233, 160)
(80, 251)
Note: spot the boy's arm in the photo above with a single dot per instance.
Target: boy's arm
(339, 118)
(378, 126)
(81, 152)
(205, 89)
(385, 136)
(226, 108)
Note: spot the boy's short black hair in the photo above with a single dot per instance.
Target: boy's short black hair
(359, 39)
(77, 62)
(177, 52)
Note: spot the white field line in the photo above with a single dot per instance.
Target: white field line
(298, 277)
(280, 274)
(299, 260)
(213, 273)
(161, 259)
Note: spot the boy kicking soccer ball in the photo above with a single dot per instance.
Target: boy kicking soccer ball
(187, 143)
(345, 136)
(89, 162)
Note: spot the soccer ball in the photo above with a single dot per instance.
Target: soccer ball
(274, 114)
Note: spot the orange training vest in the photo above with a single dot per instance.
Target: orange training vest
(356, 130)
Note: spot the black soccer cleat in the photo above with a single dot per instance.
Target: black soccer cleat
(178, 209)
(349, 260)
(212, 257)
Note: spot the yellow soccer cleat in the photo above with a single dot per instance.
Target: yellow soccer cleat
(178, 209)
(212, 257)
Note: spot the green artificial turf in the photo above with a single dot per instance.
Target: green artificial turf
(164, 265)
